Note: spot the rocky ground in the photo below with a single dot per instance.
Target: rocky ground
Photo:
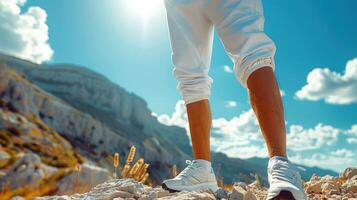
(327, 187)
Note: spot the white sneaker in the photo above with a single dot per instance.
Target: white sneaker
(284, 180)
(192, 178)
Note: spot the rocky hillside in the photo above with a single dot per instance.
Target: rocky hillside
(84, 130)
(343, 187)
(55, 119)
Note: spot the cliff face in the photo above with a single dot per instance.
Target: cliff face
(120, 111)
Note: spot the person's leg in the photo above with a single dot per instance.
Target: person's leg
(252, 51)
(191, 41)
(266, 102)
(191, 35)
(240, 24)
(199, 118)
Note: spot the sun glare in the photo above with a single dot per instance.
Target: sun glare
(144, 8)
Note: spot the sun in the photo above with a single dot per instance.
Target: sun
(144, 8)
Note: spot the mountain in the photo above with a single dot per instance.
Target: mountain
(91, 118)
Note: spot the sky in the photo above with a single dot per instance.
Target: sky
(128, 42)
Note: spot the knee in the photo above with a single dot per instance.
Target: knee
(252, 63)
(193, 86)
(258, 52)
(261, 78)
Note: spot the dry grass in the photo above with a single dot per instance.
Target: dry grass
(138, 171)
(116, 163)
(174, 171)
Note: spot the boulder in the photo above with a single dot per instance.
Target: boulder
(82, 181)
(238, 193)
(222, 194)
(130, 189)
(26, 172)
(349, 173)
(350, 186)
(330, 188)
(4, 158)
(250, 195)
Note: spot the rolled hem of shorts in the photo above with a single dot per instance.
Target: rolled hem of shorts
(257, 64)
(195, 99)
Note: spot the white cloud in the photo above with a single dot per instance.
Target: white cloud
(282, 93)
(227, 69)
(337, 160)
(300, 139)
(352, 135)
(238, 137)
(24, 34)
(178, 117)
(231, 104)
(353, 130)
(342, 153)
(351, 140)
(330, 86)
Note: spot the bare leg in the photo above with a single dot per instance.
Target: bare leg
(199, 118)
(266, 102)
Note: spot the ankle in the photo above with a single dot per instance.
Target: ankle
(203, 163)
(278, 154)
(282, 158)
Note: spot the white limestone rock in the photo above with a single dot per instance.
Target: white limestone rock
(88, 177)
(349, 173)
(27, 171)
(4, 158)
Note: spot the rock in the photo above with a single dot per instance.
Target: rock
(130, 189)
(241, 184)
(328, 178)
(4, 158)
(79, 182)
(349, 173)
(322, 185)
(250, 195)
(27, 171)
(222, 194)
(237, 193)
(330, 188)
(350, 186)
(255, 191)
(354, 177)
(17, 198)
(313, 186)
(314, 177)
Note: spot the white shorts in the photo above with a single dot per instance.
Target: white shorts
(240, 26)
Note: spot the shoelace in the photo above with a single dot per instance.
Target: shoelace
(284, 172)
(187, 171)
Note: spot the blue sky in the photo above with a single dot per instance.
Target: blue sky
(114, 39)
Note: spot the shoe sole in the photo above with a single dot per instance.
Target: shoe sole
(198, 187)
(168, 189)
(284, 195)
